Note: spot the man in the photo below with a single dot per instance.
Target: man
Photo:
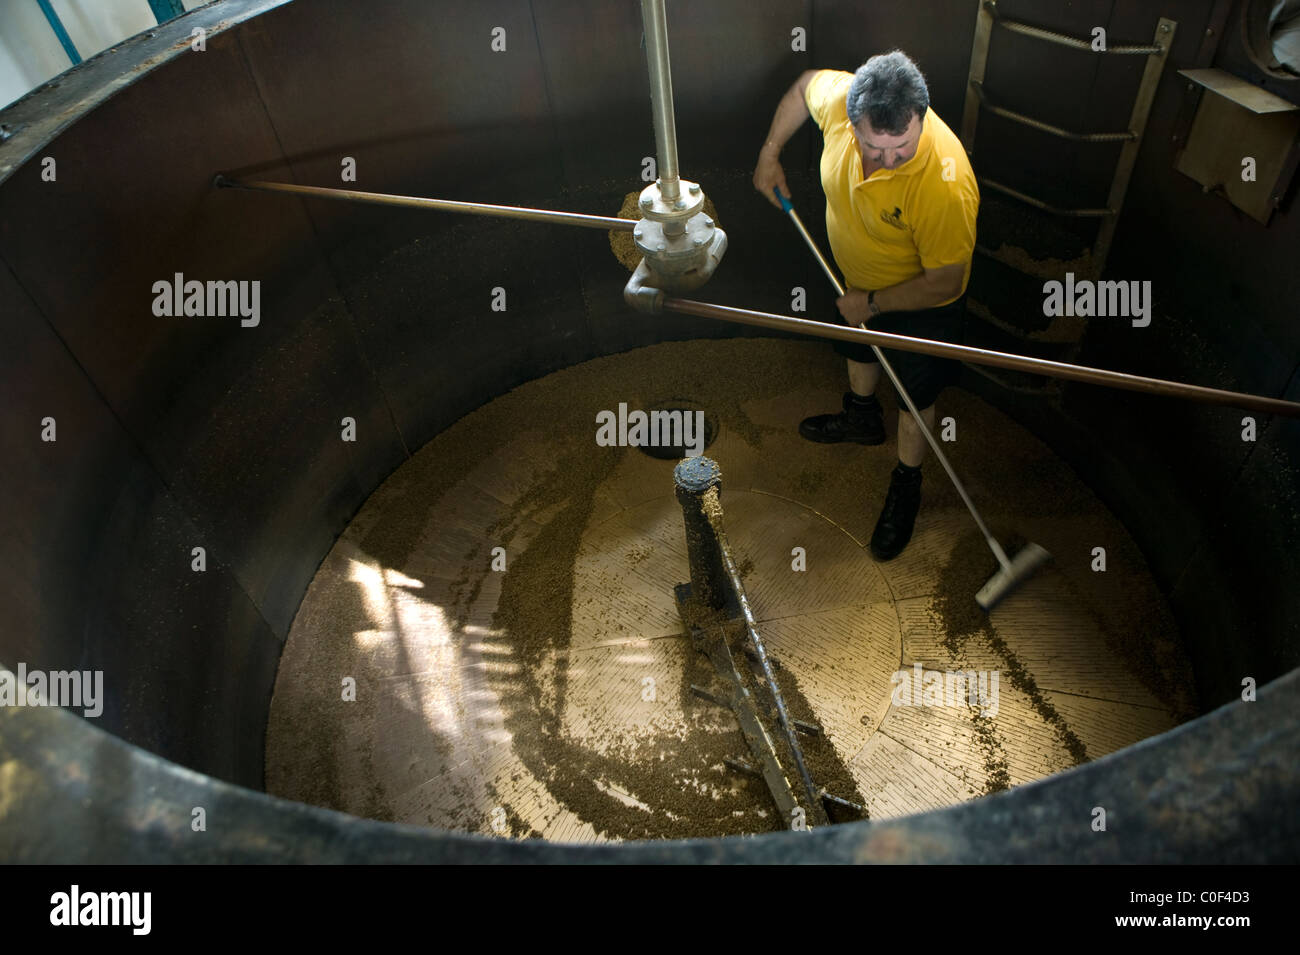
(901, 202)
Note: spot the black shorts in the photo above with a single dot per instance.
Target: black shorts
(924, 376)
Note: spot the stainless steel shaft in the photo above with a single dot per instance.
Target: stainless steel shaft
(655, 26)
(783, 716)
(443, 205)
(983, 356)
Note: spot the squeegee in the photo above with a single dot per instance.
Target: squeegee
(1011, 573)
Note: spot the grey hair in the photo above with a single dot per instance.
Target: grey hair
(888, 90)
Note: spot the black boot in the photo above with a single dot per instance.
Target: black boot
(897, 517)
(860, 421)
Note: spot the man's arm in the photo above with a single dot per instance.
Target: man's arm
(790, 115)
(930, 288)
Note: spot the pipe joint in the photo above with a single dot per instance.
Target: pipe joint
(641, 296)
(681, 255)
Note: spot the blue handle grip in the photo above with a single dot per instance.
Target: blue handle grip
(785, 203)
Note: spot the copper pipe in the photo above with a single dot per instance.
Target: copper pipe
(983, 356)
(443, 205)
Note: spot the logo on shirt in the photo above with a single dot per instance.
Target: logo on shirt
(894, 218)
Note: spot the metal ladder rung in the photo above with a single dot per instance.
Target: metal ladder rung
(982, 94)
(1083, 264)
(1061, 39)
(1040, 204)
(984, 314)
(1156, 53)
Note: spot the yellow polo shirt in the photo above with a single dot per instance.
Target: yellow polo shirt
(889, 228)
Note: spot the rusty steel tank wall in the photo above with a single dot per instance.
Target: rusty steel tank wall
(1218, 517)
(1227, 511)
(177, 433)
(1219, 790)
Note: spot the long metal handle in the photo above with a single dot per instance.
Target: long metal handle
(443, 205)
(907, 398)
(976, 356)
(655, 25)
(751, 625)
(983, 356)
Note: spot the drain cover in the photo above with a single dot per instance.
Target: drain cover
(671, 414)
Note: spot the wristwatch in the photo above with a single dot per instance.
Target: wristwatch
(871, 303)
